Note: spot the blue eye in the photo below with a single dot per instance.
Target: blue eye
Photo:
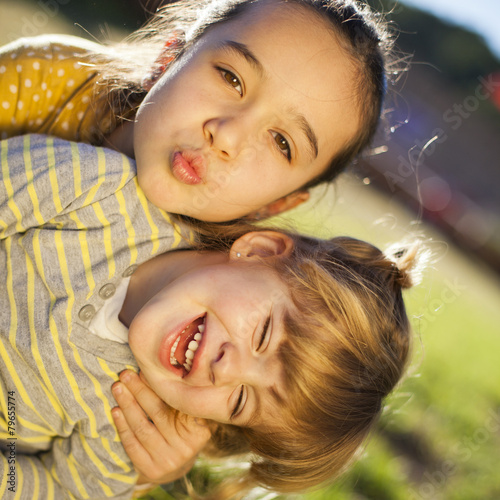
(232, 80)
(283, 145)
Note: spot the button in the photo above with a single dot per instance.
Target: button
(107, 291)
(87, 312)
(129, 271)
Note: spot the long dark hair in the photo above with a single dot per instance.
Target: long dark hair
(362, 33)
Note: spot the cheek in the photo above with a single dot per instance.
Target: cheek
(202, 403)
(258, 177)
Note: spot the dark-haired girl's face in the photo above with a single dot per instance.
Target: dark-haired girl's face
(254, 110)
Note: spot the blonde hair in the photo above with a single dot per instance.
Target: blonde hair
(346, 347)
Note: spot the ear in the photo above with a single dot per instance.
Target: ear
(259, 245)
(279, 206)
(167, 55)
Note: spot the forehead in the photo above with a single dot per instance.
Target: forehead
(286, 37)
(305, 65)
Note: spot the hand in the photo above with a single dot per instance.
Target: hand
(162, 449)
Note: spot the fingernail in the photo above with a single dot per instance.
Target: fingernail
(117, 389)
(125, 376)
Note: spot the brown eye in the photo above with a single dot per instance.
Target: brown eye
(283, 145)
(281, 142)
(232, 79)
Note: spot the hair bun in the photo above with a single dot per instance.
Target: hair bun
(408, 261)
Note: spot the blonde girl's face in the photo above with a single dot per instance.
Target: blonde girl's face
(254, 110)
(230, 316)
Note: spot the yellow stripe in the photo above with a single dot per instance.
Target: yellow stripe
(107, 490)
(12, 338)
(4, 166)
(177, 236)
(76, 477)
(29, 180)
(77, 176)
(37, 251)
(129, 226)
(36, 480)
(102, 469)
(84, 247)
(126, 172)
(50, 488)
(40, 440)
(69, 320)
(106, 238)
(107, 370)
(47, 434)
(154, 228)
(19, 482)
(51, 160)
(123, 465)
(101, 173)
(3, 480)
(97, 388)
(10, 191)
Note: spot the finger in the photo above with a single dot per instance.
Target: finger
(137, 453)
(154, 407)
(154, 458)
(162, 415)
(145, 432)
(188, 435)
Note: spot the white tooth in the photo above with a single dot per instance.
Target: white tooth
(189, 354)
(189, 362)
(172, 350)
(201, 328)
(193, 345)
(187, 367)
(198, 337)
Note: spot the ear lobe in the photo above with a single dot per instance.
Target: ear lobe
(279, 206)
(260, 245)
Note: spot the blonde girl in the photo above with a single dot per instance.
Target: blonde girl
(299, 342)
(287, 345)
(230, 107)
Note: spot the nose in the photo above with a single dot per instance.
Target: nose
(232, 367)
(229, 135)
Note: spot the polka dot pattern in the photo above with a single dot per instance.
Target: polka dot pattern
(43, 88)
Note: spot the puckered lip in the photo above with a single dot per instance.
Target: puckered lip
(168, 341)
(189, 167)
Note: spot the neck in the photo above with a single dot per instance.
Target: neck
(157, 273)
(122, 138)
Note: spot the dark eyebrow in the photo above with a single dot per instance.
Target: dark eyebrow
(307, 129)
(242, 50)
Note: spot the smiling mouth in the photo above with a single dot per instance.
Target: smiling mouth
(183, 350)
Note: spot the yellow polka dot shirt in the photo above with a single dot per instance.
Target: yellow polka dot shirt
(46, 86)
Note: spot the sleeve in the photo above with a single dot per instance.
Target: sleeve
(42, 177)
(46, 86)
(74, 468)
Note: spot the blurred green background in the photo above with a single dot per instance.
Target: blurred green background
(439, 437)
